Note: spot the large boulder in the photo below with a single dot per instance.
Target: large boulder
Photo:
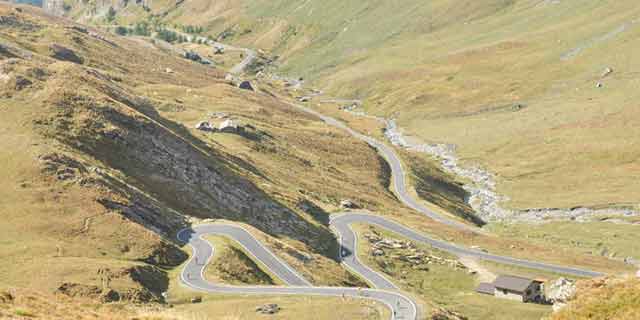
(559, 292)
(348, 204)
(193, 56)
(229, 126)
(269, 308)
(204, 126)
(65, 54)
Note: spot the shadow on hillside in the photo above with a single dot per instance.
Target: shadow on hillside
(145, 107)
(169, 170)
(314, 211)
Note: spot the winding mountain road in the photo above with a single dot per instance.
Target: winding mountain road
(192, 274)
(386, 292)
(249, 56)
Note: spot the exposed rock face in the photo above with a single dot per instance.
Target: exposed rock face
(484, 198)
(559, 292)
(167, 255)
(65, 54)
(348, 204)
(204, 126)
(109, 296)
(199, 183)
(62, 166)
(150, 284)
(301, 256)
(79, 290)
(229, 126)
(407, 252)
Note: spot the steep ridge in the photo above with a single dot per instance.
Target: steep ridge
(100, 136)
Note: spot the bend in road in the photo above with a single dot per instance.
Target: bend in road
(386, 291)
(402, 307)
(192, 274)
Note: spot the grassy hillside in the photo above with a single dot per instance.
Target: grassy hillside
(442, 285)
(103, 166)
(451, 70)
(612, 298)
(447, 76)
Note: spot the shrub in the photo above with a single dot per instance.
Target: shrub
(122, 31)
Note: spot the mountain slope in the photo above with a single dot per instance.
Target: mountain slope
(451, 71)
(103, 164)
(604, 298)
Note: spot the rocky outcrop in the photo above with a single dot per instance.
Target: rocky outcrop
(348, 204)
(204, 126)
(406, 251)
(444, 314)
(269, 308)
(124, 132)
(64, 54)
(559, 292)
(483, 196)
(228, 126)
(166, 254)
(79, 290)
(139, 284)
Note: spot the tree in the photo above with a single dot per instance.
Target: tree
(141, 29)
(122, 31)
(167, 35)
(111, 14)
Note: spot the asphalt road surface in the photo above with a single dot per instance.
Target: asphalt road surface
(385, 291)
(397, 172)
(192, 275)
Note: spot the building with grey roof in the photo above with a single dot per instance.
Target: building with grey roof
(514, 288)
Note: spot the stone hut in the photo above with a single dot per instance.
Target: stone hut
(514, 288)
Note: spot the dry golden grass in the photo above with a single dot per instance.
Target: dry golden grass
(232, 265)
(27, 304)
(291, 157)
(449, 70)
(317, 308)
(600, 299)
(442, 286)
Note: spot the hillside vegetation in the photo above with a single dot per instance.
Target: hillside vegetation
(102, 164)
(452, 71)
(599, 299)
